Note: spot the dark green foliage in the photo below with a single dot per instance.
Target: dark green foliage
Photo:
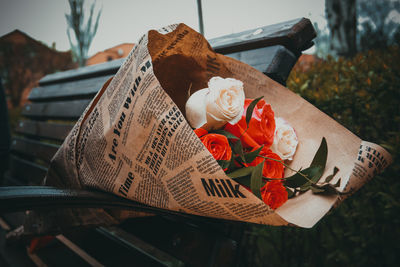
(363, 94)
(378, 26)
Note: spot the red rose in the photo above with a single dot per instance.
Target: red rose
(274, 194)
(200, 132)
(272, 168)
(217, 144)
(261, 127)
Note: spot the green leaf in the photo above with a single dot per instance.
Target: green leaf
(238, 149)
(319, 161)
(249, 157)
(317, 190)
(306, 179)
(321, 155)
(337, 183)
(256, 179)
(297, 180)
(330, 177)
(245, 180)
(241, 172)
(232, 165)
(290, 192)
(250, 109)
(324, 189)
(224, 163)
(226, 134)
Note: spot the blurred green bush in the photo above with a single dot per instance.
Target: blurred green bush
(363, 94)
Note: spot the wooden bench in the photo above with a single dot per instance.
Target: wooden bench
(175, 240)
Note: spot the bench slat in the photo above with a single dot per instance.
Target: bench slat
(34, 149)
(281, 61)
(120, 236)
(56, 110)
(106, 68)
(54, 131)
(28, 172)
(296, 35)
(86, 88)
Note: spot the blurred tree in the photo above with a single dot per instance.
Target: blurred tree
(321, 41)
(379, 23)
(341, 17)
(84, 33)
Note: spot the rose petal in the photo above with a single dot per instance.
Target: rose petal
(218, 146)
(200, 132)
(285, 140)
(195, 111)
(274, 194)
(225, 100)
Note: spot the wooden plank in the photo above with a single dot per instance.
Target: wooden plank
(4, 225)
(35, 149)
(106, 68)
(274, 61)
(119, 235)
(35, 258)
(57, 254)
(86, 88)
(178, 241)
(56, 110)
(27, 172)
(78, 251)
(295, 35)
(54, 131)
(101, 245)
(12, 254)
(14, 219)
(283, 63)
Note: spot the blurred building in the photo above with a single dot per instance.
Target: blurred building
(24, 61)
(116, 52)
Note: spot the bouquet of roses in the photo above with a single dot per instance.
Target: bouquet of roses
(251, 144)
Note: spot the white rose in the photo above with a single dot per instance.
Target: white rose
(212, 107)
(285, 140)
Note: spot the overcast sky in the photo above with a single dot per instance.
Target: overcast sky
(125, 21)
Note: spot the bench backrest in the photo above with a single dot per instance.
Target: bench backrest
(62, 97)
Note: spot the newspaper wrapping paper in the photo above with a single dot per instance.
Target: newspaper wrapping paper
(134, 141)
